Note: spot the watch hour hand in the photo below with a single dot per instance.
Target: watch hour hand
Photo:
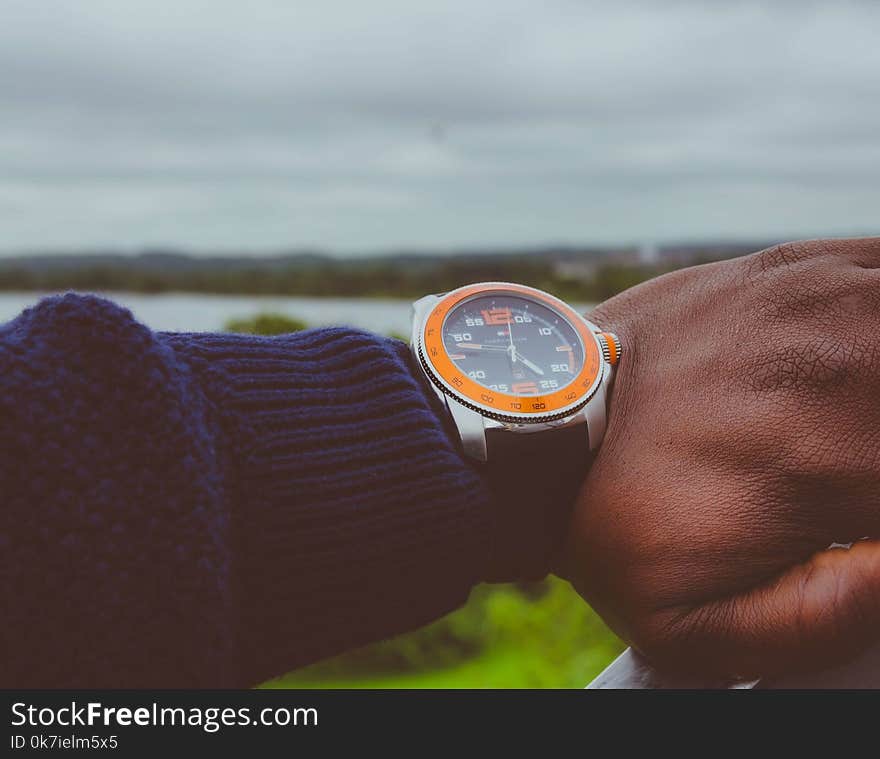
(479, 347)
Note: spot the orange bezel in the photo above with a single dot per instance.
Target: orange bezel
(575, 394)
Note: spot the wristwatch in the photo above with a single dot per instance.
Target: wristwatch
(525, 380)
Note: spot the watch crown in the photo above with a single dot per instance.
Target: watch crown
(610, 344)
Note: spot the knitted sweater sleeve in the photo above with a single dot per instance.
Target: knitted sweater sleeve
(207, 510)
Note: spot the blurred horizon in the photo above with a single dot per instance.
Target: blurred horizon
(743, 243)
(583, 274)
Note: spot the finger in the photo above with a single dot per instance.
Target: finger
(816, 614)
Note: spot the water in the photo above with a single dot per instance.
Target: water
(186, 312)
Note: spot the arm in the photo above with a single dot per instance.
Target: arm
(743, 441)
(208, 510)
(213, 510)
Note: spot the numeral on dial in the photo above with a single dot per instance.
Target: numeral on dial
(496, 316)
(523, 388)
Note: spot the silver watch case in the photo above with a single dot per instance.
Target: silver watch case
(472, 421)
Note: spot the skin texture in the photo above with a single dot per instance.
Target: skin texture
(743, 440)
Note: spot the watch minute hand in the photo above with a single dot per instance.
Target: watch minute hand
(533, 366)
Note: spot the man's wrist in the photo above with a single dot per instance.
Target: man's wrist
(532, 480)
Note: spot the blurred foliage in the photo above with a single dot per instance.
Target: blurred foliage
(265, 324)
(504, 637)
(343, 278)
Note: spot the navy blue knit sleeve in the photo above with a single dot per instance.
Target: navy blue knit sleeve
(212, 510)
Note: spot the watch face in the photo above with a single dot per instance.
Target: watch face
(512, 351)
(513, 344)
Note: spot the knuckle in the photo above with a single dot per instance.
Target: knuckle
(861, 252)
(822, 601)
(816, 288)
(819, 328)
(783, 255)
(695, 641)
(801, 258)
(864, 252)
(668, 638)
(859, 300)
(819, 361)
(777, 256)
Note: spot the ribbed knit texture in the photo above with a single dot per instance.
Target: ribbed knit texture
(213, 510)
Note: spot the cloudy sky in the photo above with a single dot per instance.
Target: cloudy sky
(358, 126)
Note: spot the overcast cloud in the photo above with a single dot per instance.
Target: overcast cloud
(357, 126)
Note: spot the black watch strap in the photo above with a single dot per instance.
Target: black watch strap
(535, 478)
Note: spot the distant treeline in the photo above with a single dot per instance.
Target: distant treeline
(329, 277)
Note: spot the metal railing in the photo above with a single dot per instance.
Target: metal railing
(630, 670)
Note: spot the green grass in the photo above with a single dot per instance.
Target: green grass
(504, 668)
(265, 324)
(541, 636)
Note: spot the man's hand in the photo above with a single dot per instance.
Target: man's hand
(743, 440)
